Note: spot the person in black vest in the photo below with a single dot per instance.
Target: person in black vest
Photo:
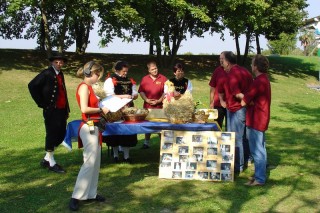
(181, 84)
(49, 92)
(118, 84)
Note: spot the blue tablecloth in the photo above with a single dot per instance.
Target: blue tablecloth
(137, 128)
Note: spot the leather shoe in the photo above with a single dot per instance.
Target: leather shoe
(98, 198)
(74, 204)
(128, 160)
(251, 178)
(254, 183)
(56, 168)
(44, 163)
(145, 146)
(116, 160)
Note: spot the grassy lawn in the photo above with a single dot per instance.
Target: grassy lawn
(293, 140)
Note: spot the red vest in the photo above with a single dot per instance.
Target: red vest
(61, 99)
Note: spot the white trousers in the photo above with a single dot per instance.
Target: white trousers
(87, 181)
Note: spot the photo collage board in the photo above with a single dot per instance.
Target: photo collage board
(197, 155)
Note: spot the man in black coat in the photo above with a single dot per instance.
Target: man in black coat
(49, 92)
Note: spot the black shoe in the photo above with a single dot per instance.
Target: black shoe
(99, 198)
(128, 160)
(74, 204)
(116, 160)
(56, 168)
(145, 146)
(44, 163)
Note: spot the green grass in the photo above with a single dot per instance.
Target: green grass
(292, 142)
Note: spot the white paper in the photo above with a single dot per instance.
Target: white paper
(114, 103)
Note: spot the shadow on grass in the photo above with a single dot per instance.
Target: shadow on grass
(292, 66)
(196, 66)
(25, 187)
(304, 115)
(137, 188)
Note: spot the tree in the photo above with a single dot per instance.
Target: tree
(284, 45)
(243, 17)
(162, 23)
(306, 38)
(253, 18)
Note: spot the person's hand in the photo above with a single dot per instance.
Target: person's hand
(127, 96)
(134, 97)
(223, 103)
(211, 105)
(239, 96)
(176, 94)
(153, 102)
(105, 110)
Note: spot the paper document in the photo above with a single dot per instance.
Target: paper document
(114, 103)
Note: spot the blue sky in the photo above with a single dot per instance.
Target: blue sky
(210, 44)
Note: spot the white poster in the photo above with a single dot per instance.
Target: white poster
(114, 103)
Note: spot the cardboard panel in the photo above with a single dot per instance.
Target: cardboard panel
(197, 155)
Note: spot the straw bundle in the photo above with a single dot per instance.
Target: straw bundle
(180, 110)
(98, 90)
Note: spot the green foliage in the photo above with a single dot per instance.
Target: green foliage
(292, 145)
(284, 45)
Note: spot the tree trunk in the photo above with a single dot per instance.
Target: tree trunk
(246, 50)
(237, 46)
(151, 44)
(258, 44)
(159, 50)
(86, 38)
(63, 30)
(46, 28)
(305, 49)
(41, 37)
(167, 48)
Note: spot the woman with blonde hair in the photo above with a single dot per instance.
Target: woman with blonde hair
(89, 136)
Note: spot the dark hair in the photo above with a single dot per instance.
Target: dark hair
(119, 65)
(261, 62)
(151, 62)
(230, 57)
(177, 66)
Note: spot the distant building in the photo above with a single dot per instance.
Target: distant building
(313, 25)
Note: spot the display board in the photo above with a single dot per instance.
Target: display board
(199, 155)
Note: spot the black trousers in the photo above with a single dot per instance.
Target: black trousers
(121, 140)
(222, 113)
(55, 121)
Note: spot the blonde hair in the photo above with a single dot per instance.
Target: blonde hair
(96, 68)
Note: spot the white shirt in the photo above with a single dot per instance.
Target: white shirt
(108, 87)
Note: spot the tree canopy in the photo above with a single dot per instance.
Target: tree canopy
(163, 23)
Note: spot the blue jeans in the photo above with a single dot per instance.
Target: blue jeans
(236, 122)
(258, 152)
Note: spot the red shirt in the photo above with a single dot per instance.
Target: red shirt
(258, 100)
(153, 89)
(217, 78)
(238, 81)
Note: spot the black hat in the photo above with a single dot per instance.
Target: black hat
(57, 56)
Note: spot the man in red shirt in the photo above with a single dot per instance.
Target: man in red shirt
(217, 77)
(237, 82)
(258, 100)
(152, 92)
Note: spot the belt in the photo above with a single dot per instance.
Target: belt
(95, 123)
